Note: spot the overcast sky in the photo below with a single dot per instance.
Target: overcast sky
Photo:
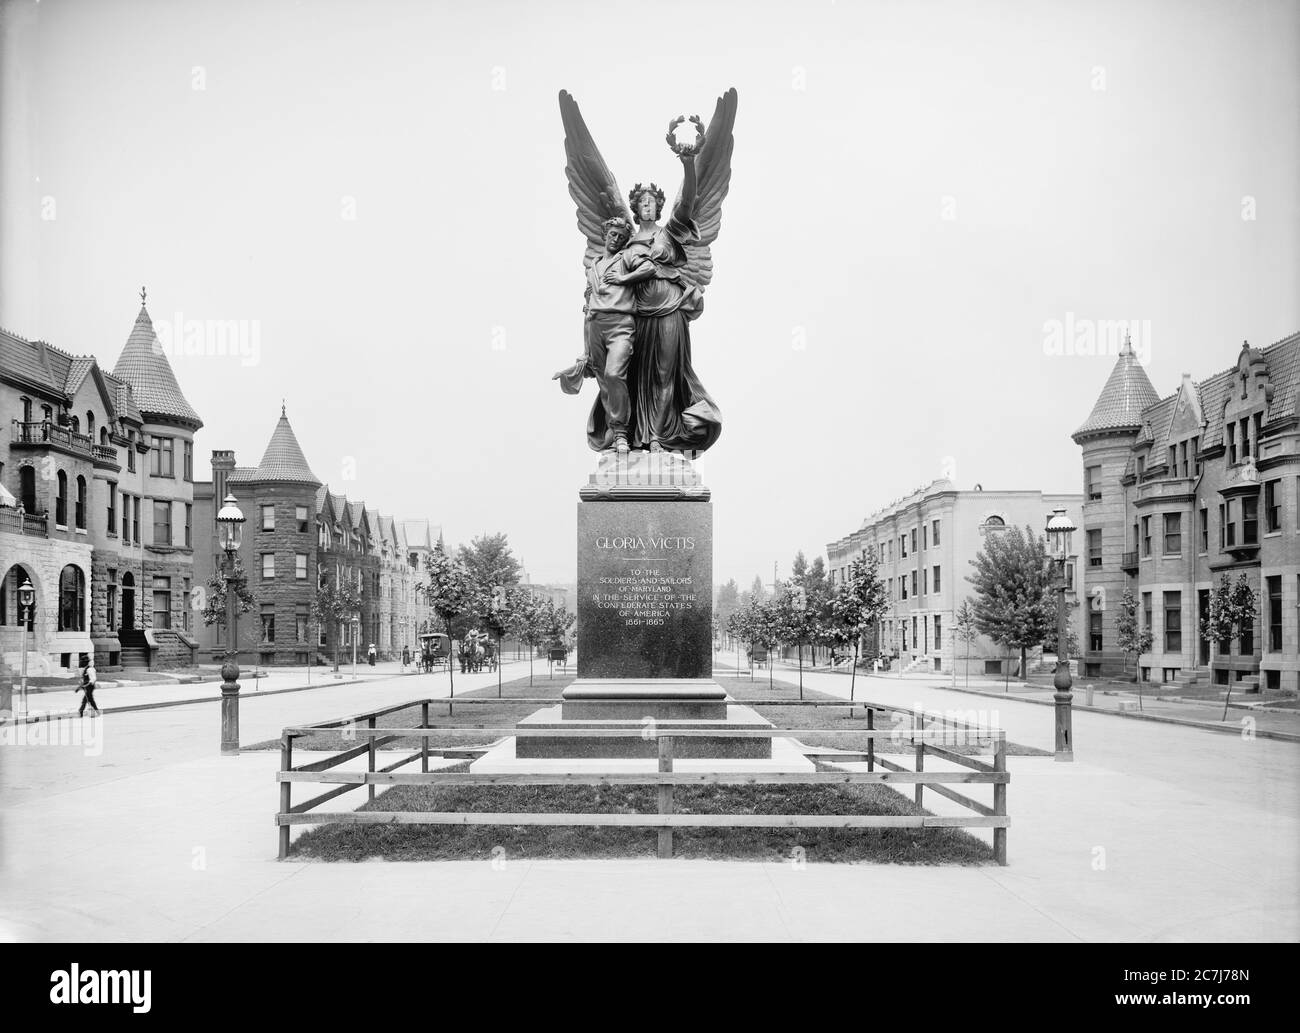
(919, 190)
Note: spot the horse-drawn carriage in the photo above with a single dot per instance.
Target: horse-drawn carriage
(435, 649)
(477, 653)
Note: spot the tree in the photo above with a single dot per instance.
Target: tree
(1230, 613)
(494, 606)
(818, 587)
(450, 595)
(858, 605)
(966, 628)
(728, 602)
(1013, 584)
(526, 624)
(758, 624)
(1130, 635)
(796, 618)
(488, 560)
(757, 593)
(335, 604)
(214, 607)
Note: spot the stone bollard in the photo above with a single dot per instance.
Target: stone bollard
(1088, 690)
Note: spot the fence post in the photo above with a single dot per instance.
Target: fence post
(424, 740)
(918, 723)
(371, 786)
(286, 788)
(1000, 799)
(665, 794)
(871, 743)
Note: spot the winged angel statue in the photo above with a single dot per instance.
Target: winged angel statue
(645, 284)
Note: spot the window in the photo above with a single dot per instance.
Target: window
(914, 592)
(1182, 464)
(1172, 465)
(1094, 548)
(268, 622)
(1173, 534)
(300, 566)
(135, 519)
(1232, 442)
(72, 599)
(902, 582)
(185, 604)
(27, 488)
(300, 626)
(162, 602)
(1245, 438)
(1227, 528)
(915, 637)
(938, 631)
(1250, 520)
(1146, 536)
(112, 508)
(925, 581)
(1173, 622)
(61, 501)
(1274, 592)
(80, 512)
(1246, 644)
(189, 459)
(130, 453)
(300, 515)
(1146, 612)
(126, 519)
(268, 518)
(1092, 483)
(1142, 466)
(914, 539)
(1137, 538)
(162, 457)
(902, 546)
(1205, 530)
(1069, 576)
(1272, 506)
(934, 532)
(110, 599)
(1095, 631)
(1196, 462)
(189, 526)
(268, 566)
(162, 523)
(936, 579)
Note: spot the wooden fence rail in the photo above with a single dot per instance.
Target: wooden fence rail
(924, 732)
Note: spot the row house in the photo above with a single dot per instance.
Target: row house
(926, 543)
(298, 537)
(1183, 489)
(96, 506)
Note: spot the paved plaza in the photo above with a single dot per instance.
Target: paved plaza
(1157, 832)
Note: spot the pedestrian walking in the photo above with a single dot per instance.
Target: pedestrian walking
(87, 686)
(371, 655)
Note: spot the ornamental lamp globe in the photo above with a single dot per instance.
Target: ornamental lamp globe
(26, 594)
(1060, 530)
(230, 525)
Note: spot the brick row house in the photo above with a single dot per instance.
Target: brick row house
(96, 506)
(1183, 489)
(297, 537)
(926, 542)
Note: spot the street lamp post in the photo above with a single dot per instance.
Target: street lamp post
(1060, 529)
(230, 529)
(356, 632)
(26, 604)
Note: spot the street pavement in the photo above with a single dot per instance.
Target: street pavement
(1156, 832)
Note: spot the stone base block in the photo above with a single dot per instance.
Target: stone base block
(636, 743)
(632, 700)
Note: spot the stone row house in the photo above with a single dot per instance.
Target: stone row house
(96, 507)
(300, 536)
(925, 543)
(1179, 491)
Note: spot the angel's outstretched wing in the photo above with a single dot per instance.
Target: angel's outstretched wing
(591, 184)
(713, 174)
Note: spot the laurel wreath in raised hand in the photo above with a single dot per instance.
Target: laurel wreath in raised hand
(683, 150)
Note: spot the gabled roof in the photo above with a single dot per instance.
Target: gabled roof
(78, 370)
(417, 534)
(1127, 393)
(143, 365)
(283, 459)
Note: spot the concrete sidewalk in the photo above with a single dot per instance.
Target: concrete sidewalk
(1157, 832)
(1118, 702)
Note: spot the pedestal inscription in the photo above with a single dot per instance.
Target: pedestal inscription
(645, 589)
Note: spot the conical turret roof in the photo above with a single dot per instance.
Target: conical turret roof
(283, 459)
(144, 366)
(1127, 392)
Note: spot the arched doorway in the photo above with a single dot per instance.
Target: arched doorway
(128, 601)
(10, 616)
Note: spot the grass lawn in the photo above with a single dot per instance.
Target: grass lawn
(436, 843)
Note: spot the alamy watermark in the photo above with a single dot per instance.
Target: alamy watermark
(61, 728)
(1088, 337)
(205, 338)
